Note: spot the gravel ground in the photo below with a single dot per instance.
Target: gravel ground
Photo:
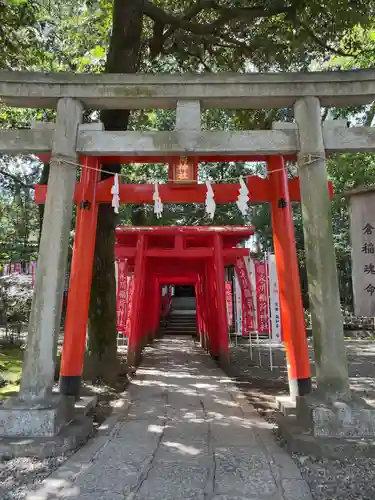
(17, 475)
(349, 479)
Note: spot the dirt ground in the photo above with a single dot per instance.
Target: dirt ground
(262, 384)
(348, 479)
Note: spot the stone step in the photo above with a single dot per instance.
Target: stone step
(182, 325)
(179, 334)
(182, 319)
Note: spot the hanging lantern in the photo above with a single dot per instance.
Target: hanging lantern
(210, 200)
(158, 205)
(243, 198)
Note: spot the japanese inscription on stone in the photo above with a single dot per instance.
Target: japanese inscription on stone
(362, 229)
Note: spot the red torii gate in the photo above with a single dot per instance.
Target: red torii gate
(90, 191)
(180, 254)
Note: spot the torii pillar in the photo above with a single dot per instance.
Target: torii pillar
(36, 412)
(221, 310)
(292, 314)
(328, 333)
(331, 411)
(80, 282)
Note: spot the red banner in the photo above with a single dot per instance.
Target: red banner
(129, 304)
(122, 281)
(166, 302)
(229, 302)
(261, 277)
(33, 271)
(248, 316)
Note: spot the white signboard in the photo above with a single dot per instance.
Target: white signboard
(274, 300)
(362, 231)
(238, 306)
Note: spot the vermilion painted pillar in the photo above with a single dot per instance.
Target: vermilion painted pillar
(212, 310)
(155, 312)
(198, 302)
(204, 307)
(157, 291)
(203, 311)
(80, 283)
(200, 309)
(292, 316)
(134, 343)
(222, 319)
(148, 319)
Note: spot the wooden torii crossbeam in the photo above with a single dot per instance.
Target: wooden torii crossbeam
(260, 190)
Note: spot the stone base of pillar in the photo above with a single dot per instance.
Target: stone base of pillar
(44, 428)
(224, 360)
(133, 359)
(336, 419)
(330, 428)
(203, 340)
(70, 437)
(151, 338)
(43, 418)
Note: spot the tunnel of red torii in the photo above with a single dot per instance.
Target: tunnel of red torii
(171, 255)
(205, 252)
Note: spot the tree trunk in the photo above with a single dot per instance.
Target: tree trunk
(43, 180)
(122, 57)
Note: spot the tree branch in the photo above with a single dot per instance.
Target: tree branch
(191, 13)
(322, 43)
(246, 14)
(185, 51)
(16, 179)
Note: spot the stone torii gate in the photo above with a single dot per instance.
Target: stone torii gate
(330, 411)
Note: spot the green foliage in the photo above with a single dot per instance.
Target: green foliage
(359, 41)
(10, 370)
(19, 219)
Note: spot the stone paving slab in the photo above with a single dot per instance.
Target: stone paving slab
(187, 434)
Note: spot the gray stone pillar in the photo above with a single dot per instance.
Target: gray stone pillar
(188, 115)
(328, 335)
(331, 411)
(35, 412)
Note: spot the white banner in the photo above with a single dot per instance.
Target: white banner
(238, 305)
(274, 300)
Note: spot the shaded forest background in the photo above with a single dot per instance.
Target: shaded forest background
(126, 36)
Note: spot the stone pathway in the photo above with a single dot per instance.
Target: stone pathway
(188, 433)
